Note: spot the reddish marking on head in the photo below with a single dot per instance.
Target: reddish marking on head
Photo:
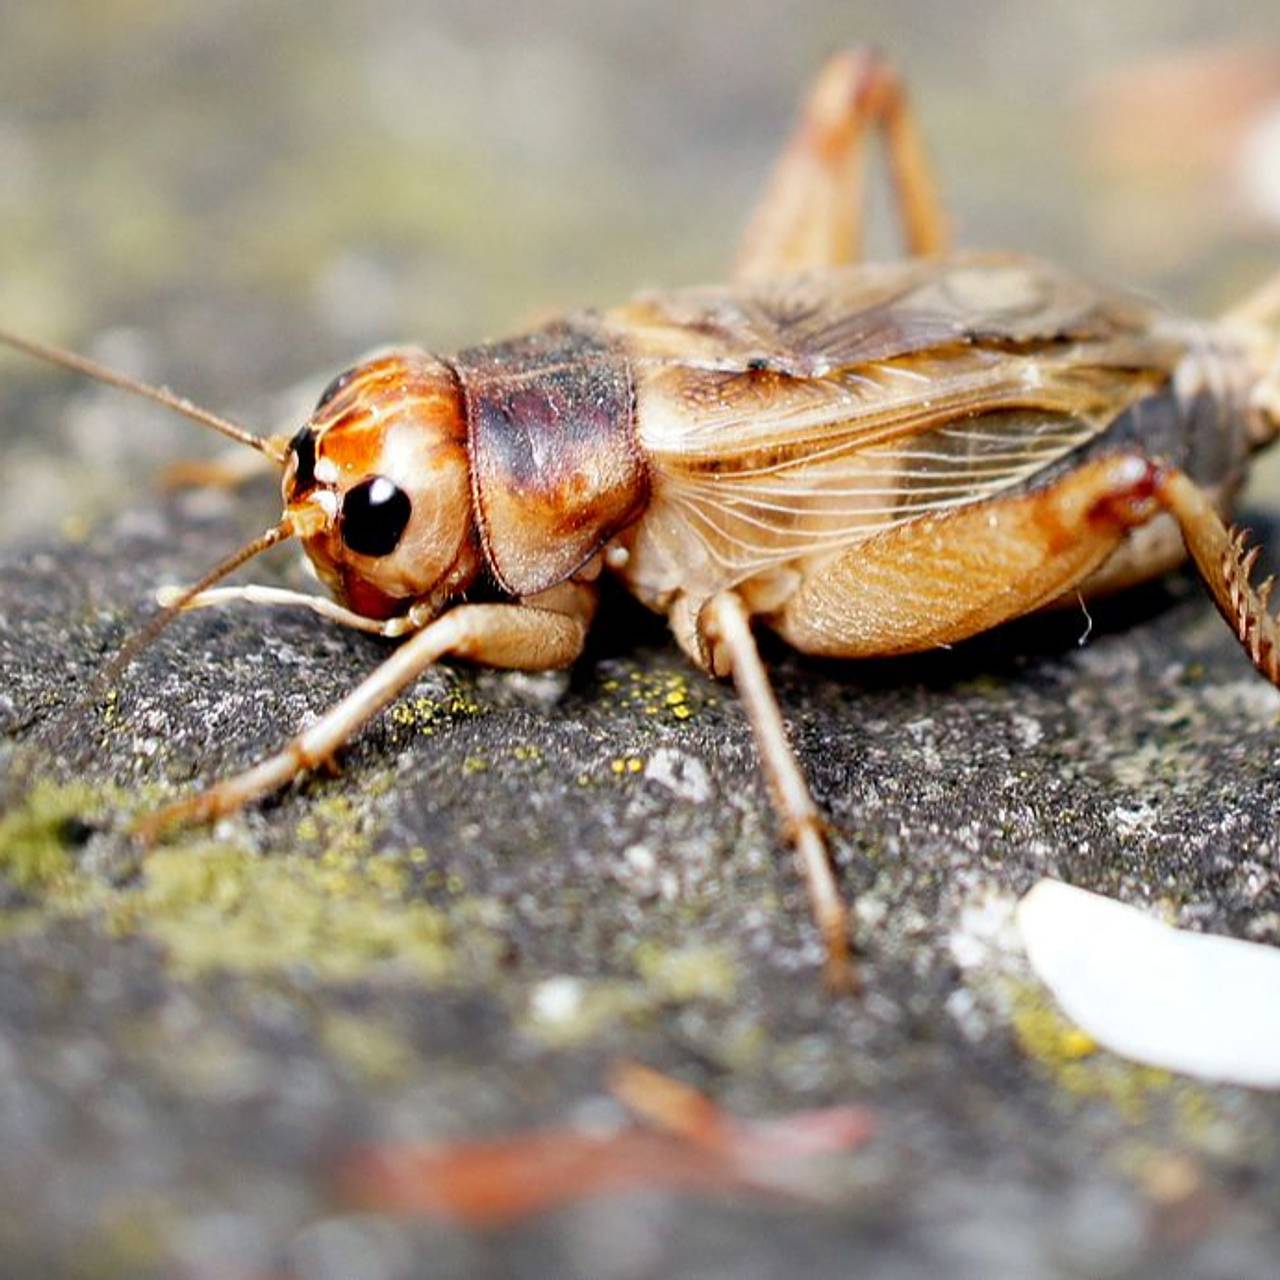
(354, 442)
(365, 598)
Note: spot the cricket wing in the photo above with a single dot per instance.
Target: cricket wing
(920, 398)
(815, 323)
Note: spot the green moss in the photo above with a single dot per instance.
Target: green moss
(566, 1010)
(36, 837)
(130, 1236)
(330, 903)
(687, 973)
(368, 1048)
(219, 907)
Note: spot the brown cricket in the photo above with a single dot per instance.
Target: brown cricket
(869, 459)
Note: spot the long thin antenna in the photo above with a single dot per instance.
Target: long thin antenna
(175, 605)
(275, 447)
(68, 721)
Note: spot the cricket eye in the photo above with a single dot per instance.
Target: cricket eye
(303, 446)
(374, 516)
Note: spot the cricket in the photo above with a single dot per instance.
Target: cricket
(867, 458)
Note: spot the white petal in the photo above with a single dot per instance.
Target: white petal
(1195, 1003)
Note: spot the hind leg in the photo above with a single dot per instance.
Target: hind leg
(811, 213)
(940, 580)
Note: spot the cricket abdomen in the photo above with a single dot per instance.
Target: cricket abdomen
(1197, 421)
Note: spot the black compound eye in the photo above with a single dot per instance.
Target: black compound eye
(374, 516)
(333, 388)
(304, 450)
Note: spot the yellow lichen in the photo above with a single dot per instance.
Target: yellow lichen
(1078, 1066)
(656, 693)
(426, 715)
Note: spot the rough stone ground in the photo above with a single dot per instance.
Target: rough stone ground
(515, 881)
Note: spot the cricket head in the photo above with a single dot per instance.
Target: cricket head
(377, 486)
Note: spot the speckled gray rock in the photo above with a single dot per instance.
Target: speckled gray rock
(619, 867)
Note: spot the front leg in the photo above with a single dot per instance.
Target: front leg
(811, 213)
(515, 636)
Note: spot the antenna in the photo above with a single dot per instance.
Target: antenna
(174, 605)
(275, 447)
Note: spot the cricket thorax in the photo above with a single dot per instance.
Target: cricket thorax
(513, 462)
(556, 469)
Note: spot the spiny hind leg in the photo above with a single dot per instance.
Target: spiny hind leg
(1225, 565)
(514, 636)
(727, 628)
(811, 213)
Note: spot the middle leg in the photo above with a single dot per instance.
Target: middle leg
(727, 627)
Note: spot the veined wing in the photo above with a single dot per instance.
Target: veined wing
(754, 463)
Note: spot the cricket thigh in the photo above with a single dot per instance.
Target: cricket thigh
(943, 578)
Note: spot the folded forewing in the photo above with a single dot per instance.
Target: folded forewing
(756, 461)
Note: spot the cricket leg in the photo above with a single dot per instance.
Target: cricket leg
(811, 213)
(733, 647)
(1225, 567)
(1261, 307)
(514, 636)
(391, 628)
(1260, 311)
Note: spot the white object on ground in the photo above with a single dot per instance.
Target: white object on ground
(1199, 1004)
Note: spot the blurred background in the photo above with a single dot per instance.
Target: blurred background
(237, 198)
